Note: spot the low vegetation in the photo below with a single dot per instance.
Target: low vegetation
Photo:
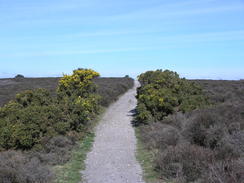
(71, 171)
(111, 88)
(11, 86)
(199, 137)
(108, 88)
(39, 128)
(19, 168)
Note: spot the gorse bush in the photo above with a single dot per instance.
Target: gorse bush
(78, 84)
(33, 115)
(38, 97)
(30, 117)
(77, 96)
(163, 93)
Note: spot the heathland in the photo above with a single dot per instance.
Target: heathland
(187, 130)
(43, 121)
(190, 131)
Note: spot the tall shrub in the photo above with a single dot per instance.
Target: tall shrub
(77, 96)
(163, 93)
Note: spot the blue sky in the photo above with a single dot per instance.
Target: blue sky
(196, 38)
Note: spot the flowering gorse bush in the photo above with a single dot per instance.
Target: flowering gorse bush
(34, 114)
(77, 96)
(163, 93)
(79, 83)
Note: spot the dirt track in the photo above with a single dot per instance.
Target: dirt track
(112, 159)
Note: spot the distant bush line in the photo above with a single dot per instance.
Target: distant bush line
(46, 126)
(194, 128)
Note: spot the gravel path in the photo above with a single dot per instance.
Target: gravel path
(112, 159)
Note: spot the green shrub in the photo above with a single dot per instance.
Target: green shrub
(192, 102)
(159, 102)
(142, 114)
(38, 97)
(25, 121)
(164, 78)
(77, 96)
(35, 115)
(164, 93)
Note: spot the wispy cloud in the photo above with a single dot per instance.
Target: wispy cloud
(165, 11)
(205, 37)
(73, 52)
(159, 35)
(165, 42)
(223, 35)
(112, 33)
(35, 7)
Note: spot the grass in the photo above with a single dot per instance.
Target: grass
(71, 171)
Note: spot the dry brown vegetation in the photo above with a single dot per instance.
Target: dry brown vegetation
(108, 88)
(111, 88)
(201, 145)
(10, 87)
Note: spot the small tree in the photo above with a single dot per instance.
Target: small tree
(19, 76)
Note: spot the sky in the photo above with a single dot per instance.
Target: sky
(201, 39)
